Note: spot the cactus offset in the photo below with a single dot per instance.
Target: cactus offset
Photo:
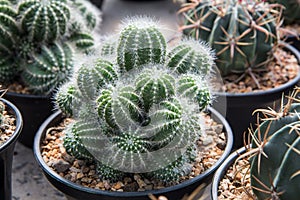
(276, 173)
(142, 111)
(243, 33)
(31, 37)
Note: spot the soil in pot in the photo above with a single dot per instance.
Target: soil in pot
(81, 172)
(7, 124)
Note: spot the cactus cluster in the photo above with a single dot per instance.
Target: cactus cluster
(137, 103)
(39, 40)
(275, 169)
(243, 32)
(291, 11)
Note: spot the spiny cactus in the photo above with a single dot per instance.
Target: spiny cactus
(137, 107)
(31, 36)
(42, 74)
(243, 32)
(291, 11)
(275, 169)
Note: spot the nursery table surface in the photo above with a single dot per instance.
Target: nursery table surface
(28, 182)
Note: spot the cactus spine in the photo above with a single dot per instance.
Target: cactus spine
(291, 12)
(40, 36)
(141, 107)
(279, 172)
(243, 33)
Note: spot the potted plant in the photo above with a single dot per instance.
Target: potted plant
(40, 42)
(137, 114)
(244, 36)
(270, 167)
(10, 127)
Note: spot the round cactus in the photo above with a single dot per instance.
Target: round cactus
(44, 20)
(243, 33)
(49, 68)
(141, 114)
(140, 43)
(276, 173)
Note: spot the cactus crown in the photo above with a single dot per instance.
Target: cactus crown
(38, 40)
(138, 103)
(243, 33)
(275, 169)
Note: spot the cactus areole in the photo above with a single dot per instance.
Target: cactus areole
(243, 33)
(137, 107)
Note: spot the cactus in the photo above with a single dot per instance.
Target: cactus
(291, 12)
(137, 109)
(275, 171)
(38, 40)
(243, 32)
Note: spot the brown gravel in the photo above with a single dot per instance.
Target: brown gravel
(282, 69)
(236, 183)
(81, 172)
(7, 124)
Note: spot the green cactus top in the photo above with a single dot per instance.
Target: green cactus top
(275, 168)
(138, 102)
(39, 40)
(243, 33)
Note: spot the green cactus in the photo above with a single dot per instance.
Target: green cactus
(49, 68)
(38, 41)
(137, 110)
(291, 11)
(277, 174)
(243, 33)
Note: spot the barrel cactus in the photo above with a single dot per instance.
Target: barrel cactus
(275, 169)
(136, 107)
(39, 40)
(291, 11)
(243, 32)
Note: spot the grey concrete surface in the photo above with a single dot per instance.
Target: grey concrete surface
(28, 181)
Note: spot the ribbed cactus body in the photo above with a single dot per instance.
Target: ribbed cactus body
(144, 118)
(278, 171)
(189, 56)
(195, 87)
(120, 107)
(8, 27)
(154, 86)
(49, 68)
(8, 68)
(73, 143)
(241, 32)
(139, 45)
(44, 20)
(291, 12)
(91, 78)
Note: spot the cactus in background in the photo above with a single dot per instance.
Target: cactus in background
(137, 107)
(32, 33)
(291, 12)
(49, 68)
(275, 169)
(243, 32)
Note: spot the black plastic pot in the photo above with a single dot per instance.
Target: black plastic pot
(75, 191)
(34, 109)
(239, 107)
(222, 171)
(6, 154)
(294, 41)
